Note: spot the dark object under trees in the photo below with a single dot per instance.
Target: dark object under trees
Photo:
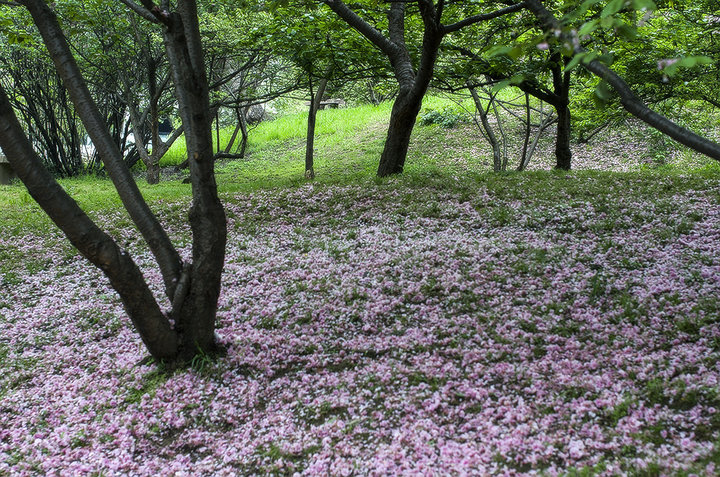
(192, 288)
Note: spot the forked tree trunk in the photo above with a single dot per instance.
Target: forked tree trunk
(193, 288)
(98, 247)
(157, 239)
(489, 133)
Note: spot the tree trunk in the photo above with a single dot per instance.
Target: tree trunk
(526, 139)
(561, 86)
(194, 308)
(563, 155)
(489, 133)
(238, 126)
(402, 121)
(244, 133)
(312, 116)
(153, 165)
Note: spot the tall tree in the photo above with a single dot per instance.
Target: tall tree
(413, 76)
(192, 288)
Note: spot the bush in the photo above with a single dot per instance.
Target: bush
(446, 118)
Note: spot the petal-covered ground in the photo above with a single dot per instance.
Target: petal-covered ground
(391, 330)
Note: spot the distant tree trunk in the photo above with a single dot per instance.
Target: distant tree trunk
(489, 133)
(544, 123)
(413, 83)
(237, 129)
(526, 139)
(153, 164)
(244, 134)
(312, 116)
(561, 85)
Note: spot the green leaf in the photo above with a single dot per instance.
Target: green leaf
(498, 50)
(608, 22)
(515, 80)
(602, 91)
(644, 5)
(612, 8)
(501, 85)
(588, 28)
(574, 62)
(626, 31)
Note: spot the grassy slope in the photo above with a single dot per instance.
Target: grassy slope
(328, 284)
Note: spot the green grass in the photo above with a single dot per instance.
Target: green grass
(333, 125)
(348, 146)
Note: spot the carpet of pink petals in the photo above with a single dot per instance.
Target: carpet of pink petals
(376, 331)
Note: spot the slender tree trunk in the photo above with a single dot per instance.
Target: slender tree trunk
(526, 139)
(312, 117)
(244, 133)
(153, 165)
(489, 133)
(238, 126)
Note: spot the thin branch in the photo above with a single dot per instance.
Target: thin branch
(140, 10)
(482, 17)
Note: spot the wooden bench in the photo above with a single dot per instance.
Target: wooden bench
(330, 103)
(6, 170)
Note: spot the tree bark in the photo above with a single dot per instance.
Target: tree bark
(312, 117)
(561, 87)
(98, 247)
(153, 165)
(195, 313)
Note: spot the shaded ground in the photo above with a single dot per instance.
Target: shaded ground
(536, 323)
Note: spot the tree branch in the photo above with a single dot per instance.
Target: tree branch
(140, 10)
(482, 17)
(363, 27)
